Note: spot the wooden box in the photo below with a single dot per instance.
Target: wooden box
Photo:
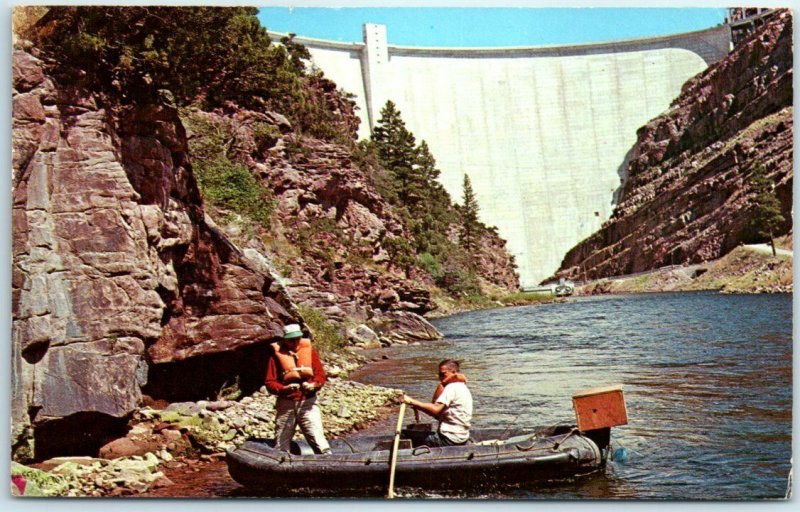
(600, 407)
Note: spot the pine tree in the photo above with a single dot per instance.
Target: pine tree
(767, 217)
(398, 153)
(426, 164)
(427, 209)
(470, 225)
(434, 212)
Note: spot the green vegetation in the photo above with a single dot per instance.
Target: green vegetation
(523, 298)
(767, 218)
(224, 182)
(448, 305)
(470, 225)
(203, 56)
(229, 185)
(411, 185)
(327, 336)
(40, 483)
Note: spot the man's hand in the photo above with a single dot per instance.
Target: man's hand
(291, 387)
(408, 400)
(308, 387)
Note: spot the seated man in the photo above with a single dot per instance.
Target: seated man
(451, 405)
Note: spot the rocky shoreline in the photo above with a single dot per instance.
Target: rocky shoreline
(189, 433)
(184, 436)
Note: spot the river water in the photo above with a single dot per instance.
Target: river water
(707, 381)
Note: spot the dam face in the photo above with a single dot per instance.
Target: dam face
(543, 133)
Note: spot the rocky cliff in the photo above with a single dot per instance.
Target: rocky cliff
(330, 227)
(126, 287)
(686, 196)
(116, 268)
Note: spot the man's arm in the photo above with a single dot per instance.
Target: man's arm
(273, 382)
(433, 409)
(319, 378)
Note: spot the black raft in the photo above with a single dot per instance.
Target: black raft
(491, 458)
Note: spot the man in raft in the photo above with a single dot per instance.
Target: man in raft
(294, 374)
(451, 405)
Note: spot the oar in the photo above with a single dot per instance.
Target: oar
(394, 449)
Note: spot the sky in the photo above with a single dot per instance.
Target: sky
(481, 27)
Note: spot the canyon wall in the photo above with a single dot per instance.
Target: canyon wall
(687, 196)
(115, 265)
(543, 133)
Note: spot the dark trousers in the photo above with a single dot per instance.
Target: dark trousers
(435, 439)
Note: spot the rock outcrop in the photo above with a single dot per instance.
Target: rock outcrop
(330, 228)
(686, 196)
(115, 267)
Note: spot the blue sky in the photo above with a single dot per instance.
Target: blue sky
(448, 26)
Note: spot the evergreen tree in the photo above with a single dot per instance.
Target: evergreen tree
(767, 217)
(427, 209)
(426, 164)
(435, 211)
(400, 253)
(398, 153)
(298, 53)
(470, 225)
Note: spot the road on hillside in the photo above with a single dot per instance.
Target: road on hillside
(766, 248)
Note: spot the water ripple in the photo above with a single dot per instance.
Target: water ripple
(708, 386)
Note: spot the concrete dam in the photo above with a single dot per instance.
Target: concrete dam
(542, 132)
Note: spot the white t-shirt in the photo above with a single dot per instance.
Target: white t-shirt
(455, 419)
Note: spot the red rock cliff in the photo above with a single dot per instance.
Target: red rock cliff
(115, 268)
(686, 196)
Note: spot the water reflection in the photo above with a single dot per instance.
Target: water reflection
(707, 383)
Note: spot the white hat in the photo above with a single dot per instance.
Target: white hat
(292, 331)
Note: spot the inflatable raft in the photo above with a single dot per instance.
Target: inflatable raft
(491, 458)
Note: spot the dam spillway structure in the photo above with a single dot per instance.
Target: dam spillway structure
(542, 132)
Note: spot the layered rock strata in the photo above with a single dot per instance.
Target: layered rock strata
(687, 197)
(335, 227)
(115, 268)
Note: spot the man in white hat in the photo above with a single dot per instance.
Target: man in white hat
(294, 374)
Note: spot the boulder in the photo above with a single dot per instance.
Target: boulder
(127, 446)
(362, 334)
(403, 326)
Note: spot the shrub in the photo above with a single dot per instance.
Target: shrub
(459, 281)
(265, 135)
(225, 184)
(430, 264)
(327, 335)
